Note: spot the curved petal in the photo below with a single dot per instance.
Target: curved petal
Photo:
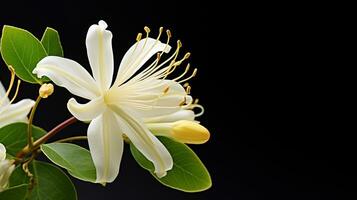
(144, 141)
(88, 111)
(179, 115)
(137, 56)
(16, 112)
(4, 100)
(69, 74)
(2, 152)
(100, 54)
(106, 146)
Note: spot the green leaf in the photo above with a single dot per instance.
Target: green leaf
(77, 160)
(51, 42)
(14, 136)
(51, 183)
(22, 50)
(17, 193)
(188, 173)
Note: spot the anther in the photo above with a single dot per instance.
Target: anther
(187, 55)
(182, 102)
(166, 90)
(188, 89)
(168, 32)
(138, 37)
(147, 29)
(179, 43)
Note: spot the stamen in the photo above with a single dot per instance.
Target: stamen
(200, 107)
(17, 91)
(196, 101)
(193, 75)
(146, 74)
(183, 74)
(186, 84)
(188, 89)
(12, 71)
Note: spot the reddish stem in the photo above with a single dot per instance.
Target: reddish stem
(44, 138)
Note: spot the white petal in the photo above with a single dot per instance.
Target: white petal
(4, 100)
(100, 54)
(145, 141)
(15, 112)
(69, 74)
(179, 115)
(2, 152)
(106, 146)
(88, 111)
(137, 56)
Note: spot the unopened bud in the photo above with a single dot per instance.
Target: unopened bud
(185, 131)
(46, 90)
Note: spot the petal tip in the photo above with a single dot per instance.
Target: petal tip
(103, 25)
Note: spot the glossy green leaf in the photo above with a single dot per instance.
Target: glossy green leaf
(14, 193)
(188, 173)
(51, 183)
(22, 50)
(14, 136)
(51, 42)
(77, 160)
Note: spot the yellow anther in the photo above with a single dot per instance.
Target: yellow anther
(168, 32)
(166, 90)
(179, 44)
(183, 102)
(188, 89)
(147, 29)
(46, 90)
(138, 37)
(187, 55)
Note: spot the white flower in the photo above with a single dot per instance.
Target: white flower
(6, 168)
(11, 113)
(120, 108)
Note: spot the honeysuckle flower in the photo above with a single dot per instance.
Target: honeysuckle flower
(6, 168)
(120, 108)
(11, 113)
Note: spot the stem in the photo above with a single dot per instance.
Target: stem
(29, 127)
(73, 139)
(44, 138)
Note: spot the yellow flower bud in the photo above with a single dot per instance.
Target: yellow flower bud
(46, 90)
(185, 131)
(190, 132)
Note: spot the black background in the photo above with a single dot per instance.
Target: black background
(277, 103)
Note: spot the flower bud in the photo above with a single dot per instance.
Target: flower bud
(46, 90)
(185, 131)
